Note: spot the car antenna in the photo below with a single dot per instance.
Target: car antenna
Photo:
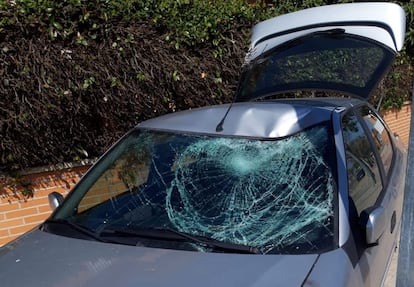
(219, 127)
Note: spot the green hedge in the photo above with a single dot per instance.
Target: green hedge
(77, 74)
(183, 22)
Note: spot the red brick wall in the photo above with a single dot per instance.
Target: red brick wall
(399, 121)
(19, 213)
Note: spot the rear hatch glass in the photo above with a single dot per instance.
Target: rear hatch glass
(326, 60)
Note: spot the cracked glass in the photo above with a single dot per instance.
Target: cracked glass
(273, 195)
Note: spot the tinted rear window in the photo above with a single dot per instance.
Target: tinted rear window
(321, 61)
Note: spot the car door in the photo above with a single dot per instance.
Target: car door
(371, 171)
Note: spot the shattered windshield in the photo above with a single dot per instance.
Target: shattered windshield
(274, 195)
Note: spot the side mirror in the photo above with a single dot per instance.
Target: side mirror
(373, 220)
(55, 199)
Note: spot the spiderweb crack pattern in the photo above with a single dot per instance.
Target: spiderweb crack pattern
(258, 193)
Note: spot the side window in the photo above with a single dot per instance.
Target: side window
(380, 136)
(364, 178)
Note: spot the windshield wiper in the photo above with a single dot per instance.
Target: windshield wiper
(172, 234)
(79, 228)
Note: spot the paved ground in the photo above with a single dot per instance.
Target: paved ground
(392, 271)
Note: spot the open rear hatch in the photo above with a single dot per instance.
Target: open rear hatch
(345, 48)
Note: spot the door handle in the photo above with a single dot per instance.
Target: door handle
(393, 221)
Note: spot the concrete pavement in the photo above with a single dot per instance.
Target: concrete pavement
(390, 280)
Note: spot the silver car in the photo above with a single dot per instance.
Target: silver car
(279, 188)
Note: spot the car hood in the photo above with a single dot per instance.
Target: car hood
(43, 259)
(345, 48)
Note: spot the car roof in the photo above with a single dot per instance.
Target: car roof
(268, 119)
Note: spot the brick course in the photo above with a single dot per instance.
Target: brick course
(399, 121)
(20, 213)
